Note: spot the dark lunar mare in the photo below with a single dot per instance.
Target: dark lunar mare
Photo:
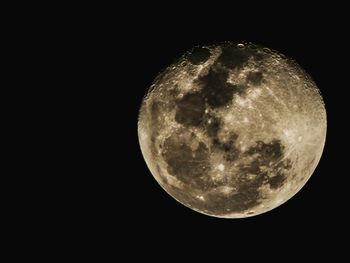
(234, 57)
(187, 165)
(215, 91)
(190, 109)
(268, 155)
(231, 152)
(192, 168)
(199, 55)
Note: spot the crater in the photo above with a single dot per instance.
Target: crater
(199, 55)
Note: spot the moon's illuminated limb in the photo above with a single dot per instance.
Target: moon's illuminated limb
(232, 130)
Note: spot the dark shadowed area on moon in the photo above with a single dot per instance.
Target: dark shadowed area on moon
(199, 55)
(190, 109)
(182, 160)
(255, 77)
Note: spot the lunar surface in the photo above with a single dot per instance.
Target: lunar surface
(232, 130)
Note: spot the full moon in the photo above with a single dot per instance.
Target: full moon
(232, 130)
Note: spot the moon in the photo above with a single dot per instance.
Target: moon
(232, 130)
